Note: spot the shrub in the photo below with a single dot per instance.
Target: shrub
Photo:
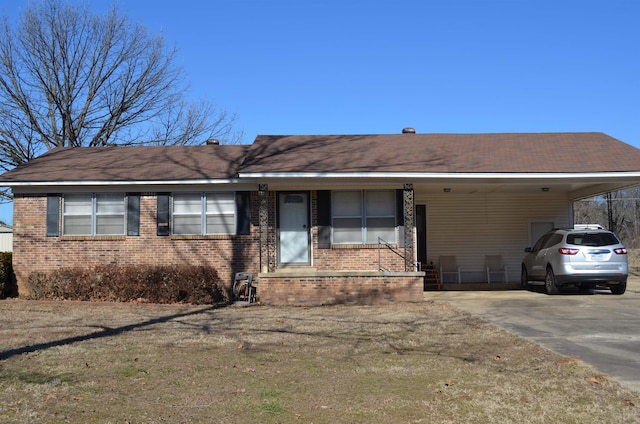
(7, 279)
(118, 283)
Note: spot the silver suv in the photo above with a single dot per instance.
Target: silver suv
(585, 256)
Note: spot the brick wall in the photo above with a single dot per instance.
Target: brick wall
(357, 257)
(328, 288)
(33, 251)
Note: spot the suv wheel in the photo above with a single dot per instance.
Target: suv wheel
(619, 288)
(550, 282)
(524, 278)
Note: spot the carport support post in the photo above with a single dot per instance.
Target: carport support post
(263, 197)
(409, 223)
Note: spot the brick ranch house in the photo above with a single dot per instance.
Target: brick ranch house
(316, 219)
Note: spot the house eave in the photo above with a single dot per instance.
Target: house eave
(99, 183)
(427, 176)
(371, 177)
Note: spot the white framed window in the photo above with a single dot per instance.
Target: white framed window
(187, 213)
(380, 216)
(360, 217)
(220, 213)
(93, 214)
(204, 213)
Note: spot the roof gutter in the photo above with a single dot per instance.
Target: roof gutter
(121, 183)
(442, 175)
(254, 177)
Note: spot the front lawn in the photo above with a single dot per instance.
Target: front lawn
(83, 362)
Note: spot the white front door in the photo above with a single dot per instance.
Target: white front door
(293, 224)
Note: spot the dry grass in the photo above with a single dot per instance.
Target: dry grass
(403, 363)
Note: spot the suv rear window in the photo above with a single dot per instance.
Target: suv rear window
(592, 239)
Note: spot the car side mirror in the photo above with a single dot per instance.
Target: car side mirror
(528, 249)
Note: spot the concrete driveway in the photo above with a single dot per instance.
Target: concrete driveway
(601, 329)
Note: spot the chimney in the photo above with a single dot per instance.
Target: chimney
(213, 141)
(408, 130)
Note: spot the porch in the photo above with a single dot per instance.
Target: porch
(309, 286)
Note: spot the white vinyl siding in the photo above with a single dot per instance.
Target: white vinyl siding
(6, 242)
(472, 225)
(204, 213)
(93, 214)
(362, 216)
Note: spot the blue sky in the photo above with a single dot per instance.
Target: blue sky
(363, 67)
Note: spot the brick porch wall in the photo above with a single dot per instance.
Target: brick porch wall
(326, 288)
(33, 251)
(350, 257)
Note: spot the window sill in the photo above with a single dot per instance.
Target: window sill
(92, 238)
(362, 246)
(203, 237)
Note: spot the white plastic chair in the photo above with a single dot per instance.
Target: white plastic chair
(495, 267)
(449, 266)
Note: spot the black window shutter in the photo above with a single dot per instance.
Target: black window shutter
(324, 219)
(162, 220)
(400, 208)
(133, 214)
(243, 212)
(53, 215)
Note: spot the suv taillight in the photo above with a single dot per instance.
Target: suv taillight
(568, 251)
(621, 250)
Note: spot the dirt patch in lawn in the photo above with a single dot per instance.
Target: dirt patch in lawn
(425, 362)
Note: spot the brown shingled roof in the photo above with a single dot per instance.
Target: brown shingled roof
(415, 153)
(132, 163)
(448, 153)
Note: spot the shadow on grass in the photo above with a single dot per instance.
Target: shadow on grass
(105, 332)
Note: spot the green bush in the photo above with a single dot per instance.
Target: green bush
(7, 279)
(118, 283)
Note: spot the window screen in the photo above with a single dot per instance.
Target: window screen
(110, 213)
(221, 208)
(380, 216)
(363, 216)
(77, 214)
(204, 213)
(187, 213)
(347, 217)
(93, 214)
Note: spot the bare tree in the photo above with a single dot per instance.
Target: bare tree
(591, 210)
(617, 211)
(69, 77)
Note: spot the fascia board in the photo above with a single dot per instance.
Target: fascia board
(123, 183)
(443, 175)
(413, 176)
